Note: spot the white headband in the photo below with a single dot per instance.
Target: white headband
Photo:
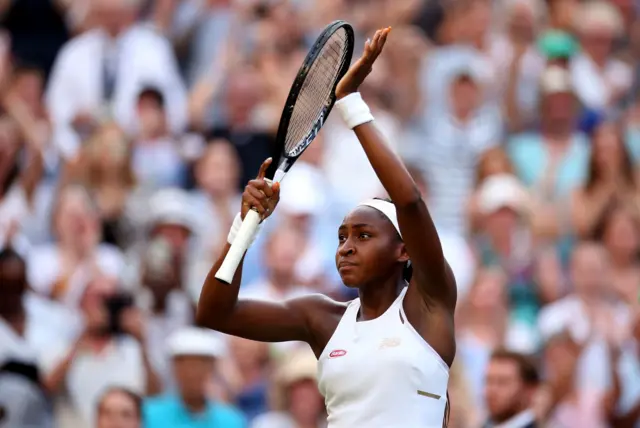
(386, 208)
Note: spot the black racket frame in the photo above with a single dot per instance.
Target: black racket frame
(281, 159)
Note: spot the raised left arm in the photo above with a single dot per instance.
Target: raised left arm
(432, 273)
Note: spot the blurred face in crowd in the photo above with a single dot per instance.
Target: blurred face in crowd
(465, 97)
(607, 150)
(109, 152)
(151, 116)
(492, 162)
(192, 374)
(621, 236)
(118, 409)
(115, 15)
(305, 402)
(218, 171)
(76, 221)
(501, 223)
(249, 356)
(522, 21)
(562, 13)
(175, 234)
(558, 110)
(28, 85)
(244, 92)
(283, 251)
(488, 291)
(598, 42)
(589, 264)
(506, 394)
(93, 306)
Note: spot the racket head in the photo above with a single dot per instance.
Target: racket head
(312, 94)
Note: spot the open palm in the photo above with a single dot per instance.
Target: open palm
(361, 69)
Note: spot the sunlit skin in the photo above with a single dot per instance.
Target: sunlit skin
(365, 240)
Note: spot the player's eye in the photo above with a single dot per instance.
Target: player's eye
(341, 238)
(365, 236)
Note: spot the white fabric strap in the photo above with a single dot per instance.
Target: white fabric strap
(235, 227)
(386, 208)
(354, 110)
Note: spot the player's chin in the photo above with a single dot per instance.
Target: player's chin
(349, 279)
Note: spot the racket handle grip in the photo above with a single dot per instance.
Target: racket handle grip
(240, 245)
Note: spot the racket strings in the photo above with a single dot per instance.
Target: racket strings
(317, 89)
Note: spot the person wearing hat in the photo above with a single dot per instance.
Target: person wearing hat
(295, 396)
(553, 159)
(194, 352)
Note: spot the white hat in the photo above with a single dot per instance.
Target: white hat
(301, 364)
(301, 192)
(171, 206)
(556, 79)
(502, 191)
(195, 341)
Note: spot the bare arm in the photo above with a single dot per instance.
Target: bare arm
(219, 307)
(433, 276)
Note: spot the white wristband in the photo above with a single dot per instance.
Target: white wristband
(354, 110)
(235, 227)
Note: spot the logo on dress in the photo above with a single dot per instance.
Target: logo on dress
(337, 353)
(390, 343)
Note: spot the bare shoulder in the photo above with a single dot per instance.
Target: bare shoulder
(322, 314)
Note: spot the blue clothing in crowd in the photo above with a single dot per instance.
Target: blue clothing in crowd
(168, 411)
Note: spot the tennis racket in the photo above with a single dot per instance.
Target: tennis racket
(308, 105)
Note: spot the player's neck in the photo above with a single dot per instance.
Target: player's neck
(376, 298)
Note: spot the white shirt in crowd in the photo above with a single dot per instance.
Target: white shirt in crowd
(569, 314)
(595, 87)
(43, 270)
(90, 373)
(144, 58)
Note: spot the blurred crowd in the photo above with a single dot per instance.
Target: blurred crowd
(128, 129)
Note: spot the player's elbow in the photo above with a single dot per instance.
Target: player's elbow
(412, 198)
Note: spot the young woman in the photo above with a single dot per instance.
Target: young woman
(383, 359)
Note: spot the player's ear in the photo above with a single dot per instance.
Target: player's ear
(404, 256)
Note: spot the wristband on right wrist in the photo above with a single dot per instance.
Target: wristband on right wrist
(353, 110)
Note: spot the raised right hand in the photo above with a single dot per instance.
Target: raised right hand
(259, 194)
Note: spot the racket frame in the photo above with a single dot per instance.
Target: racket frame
(284, 161)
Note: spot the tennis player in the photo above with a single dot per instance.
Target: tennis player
(383, 359)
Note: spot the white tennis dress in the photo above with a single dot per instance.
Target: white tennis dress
(381, 373)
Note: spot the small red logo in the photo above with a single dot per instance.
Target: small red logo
(337, 353)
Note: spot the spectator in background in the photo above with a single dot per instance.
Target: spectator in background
(507, 241)
(104, 169)
(215, 200)
(581, 315)
(482, 322)
(611, 180)
(194, 352)
(297, 402)
(250, 385)
(167, 306)
(600, 80)
(98, 75)
(109, 352)
(619, 233)
(511, 384)
(157, 156)
(61, 270)
(23, 400)
(17, 185)
(457, 136)
(119, 408)
(281, 253)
